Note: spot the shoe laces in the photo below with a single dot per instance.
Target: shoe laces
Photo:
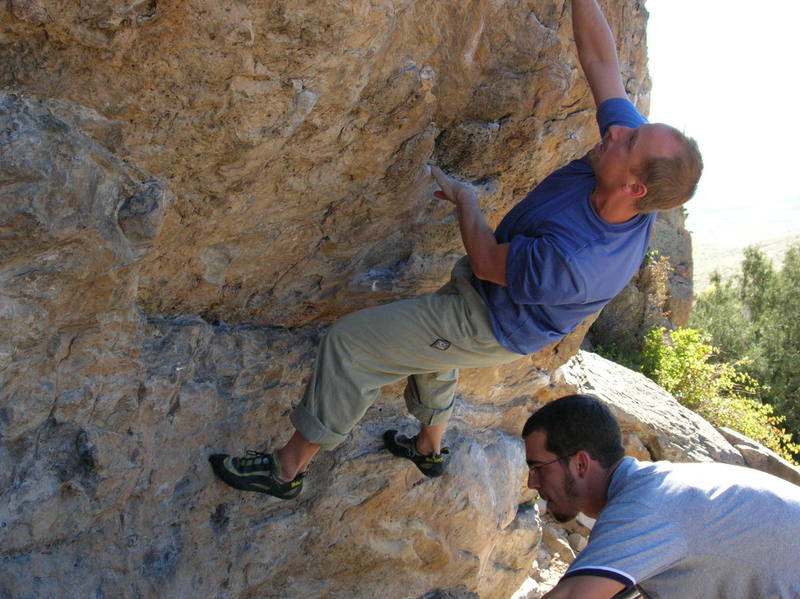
(252, 457)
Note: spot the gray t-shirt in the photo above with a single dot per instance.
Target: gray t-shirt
(705, 530)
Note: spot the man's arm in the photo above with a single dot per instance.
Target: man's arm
(596, 51)
(487, 258)
(585, 587)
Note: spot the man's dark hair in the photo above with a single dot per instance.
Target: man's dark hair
(578, 423)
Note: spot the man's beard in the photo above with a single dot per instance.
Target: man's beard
(570, 493)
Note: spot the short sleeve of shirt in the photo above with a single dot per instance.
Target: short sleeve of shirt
(629, 544)
(618, 111)
(538, 273)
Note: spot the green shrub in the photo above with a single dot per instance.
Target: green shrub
(680, 362)
(720, 313)
(754, 318)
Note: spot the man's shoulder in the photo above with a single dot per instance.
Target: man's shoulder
(640, 483)
(618, 111)
(578, 167)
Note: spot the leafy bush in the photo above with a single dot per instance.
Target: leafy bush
(755, 319)
(680, 361)
(720, 313)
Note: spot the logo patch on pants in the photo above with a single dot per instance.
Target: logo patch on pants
(442, 344)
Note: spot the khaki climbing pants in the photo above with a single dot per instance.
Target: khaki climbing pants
(425, 340)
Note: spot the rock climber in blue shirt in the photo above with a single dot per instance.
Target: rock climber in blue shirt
(558, 256)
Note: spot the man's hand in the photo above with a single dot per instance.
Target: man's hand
(452, 190)
(597, 51)
(487, 258)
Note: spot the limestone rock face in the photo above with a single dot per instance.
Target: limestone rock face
(75, 222)
(294, 134)
(190, 191)
(108, 416)
(135, 504)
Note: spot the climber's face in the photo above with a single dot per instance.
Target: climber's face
(623, 150)
(550, 476)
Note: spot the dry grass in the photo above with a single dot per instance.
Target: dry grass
(727, 259)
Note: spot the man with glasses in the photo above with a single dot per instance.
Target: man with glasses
(686, 531)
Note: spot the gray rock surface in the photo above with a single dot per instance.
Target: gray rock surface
(665, 428)
(761, 458)
(75, 222)
(189, 192)
(293, 135)
(108, 417)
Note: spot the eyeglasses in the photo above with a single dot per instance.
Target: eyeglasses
(538, 467)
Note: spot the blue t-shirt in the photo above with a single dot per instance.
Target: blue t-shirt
(565, 262)
(697, 531)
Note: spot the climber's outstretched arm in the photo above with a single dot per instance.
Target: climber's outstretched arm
(597, 51)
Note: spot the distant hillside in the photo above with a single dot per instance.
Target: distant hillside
(727, 258)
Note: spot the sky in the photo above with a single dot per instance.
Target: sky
(725, 72)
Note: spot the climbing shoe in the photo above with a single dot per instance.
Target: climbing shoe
(255, 471)
(432, 464)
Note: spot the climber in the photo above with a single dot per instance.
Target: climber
(675, 530)
(558, 256)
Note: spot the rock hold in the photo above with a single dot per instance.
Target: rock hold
(140, 215)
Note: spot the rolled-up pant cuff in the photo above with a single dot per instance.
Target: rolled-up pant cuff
(313, 430)
(426, 415)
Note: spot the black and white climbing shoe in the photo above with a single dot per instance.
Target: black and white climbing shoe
(255, 471)
(432, 464)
